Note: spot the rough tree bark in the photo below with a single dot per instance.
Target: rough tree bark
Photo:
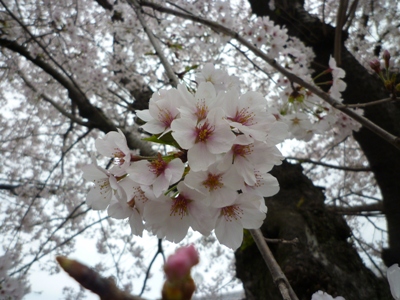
(324, 258)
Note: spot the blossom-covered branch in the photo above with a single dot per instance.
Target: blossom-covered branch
(394, 140)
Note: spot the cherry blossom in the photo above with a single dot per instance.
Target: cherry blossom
(247, 113)
(244, 212)
(212, 75)
(163, 109)
(114, 145)
(219, 187)
(245, 155)
(106, 184)
(338, 85)
(157, 173)
(199, 105)
(203, 140)
(171, 217)
(129, 206)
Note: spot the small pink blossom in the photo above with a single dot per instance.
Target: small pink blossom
(130, 206)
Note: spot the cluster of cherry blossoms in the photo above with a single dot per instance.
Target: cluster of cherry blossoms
(306, 114)
(223, 144)
(11, 287)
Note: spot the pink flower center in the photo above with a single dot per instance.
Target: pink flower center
(231, 212)
(119, 156)
(243, 117)
(131, 203)
(201, 110)
(242, 150)
(213, 182)
(158, 166)
(179, 207)
(204, 132)
(138, 197)
(165, 117)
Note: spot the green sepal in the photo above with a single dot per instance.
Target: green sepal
(166, 139)
(247, 240)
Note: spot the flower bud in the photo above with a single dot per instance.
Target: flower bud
(178, 265)
(179, 284)
(386, 58)
(375, 65)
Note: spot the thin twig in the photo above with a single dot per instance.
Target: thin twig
(282, 241)
(278, 276)
(343, 168)
(357, 210)
(167, 66)
(371, 103)
(160, 250)
(340, 20)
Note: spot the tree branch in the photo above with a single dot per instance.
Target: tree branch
(392, 139)
(278, 276)
(357, 210)
(343, 168)
(173, 79)
(53, 103)
(386, 100)
(97, 119)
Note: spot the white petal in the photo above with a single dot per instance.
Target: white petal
(117, 211)
(99, 199)
(200, 158)
(393, 276)
(230, 233)
(136, 223)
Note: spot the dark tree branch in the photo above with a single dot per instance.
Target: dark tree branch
(319, 163)
(357, 210)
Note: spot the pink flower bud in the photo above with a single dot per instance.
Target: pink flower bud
(375, 65)
(386, 57)
(178, 265)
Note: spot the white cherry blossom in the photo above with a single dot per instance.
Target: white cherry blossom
(171, 218)
(219, 187)
(158, 173)
(106, 184)
(130, 205)
(244, 212)
(204, 140)
(163, 109)
(114, 145)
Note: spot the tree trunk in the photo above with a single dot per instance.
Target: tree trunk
(324, 257)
